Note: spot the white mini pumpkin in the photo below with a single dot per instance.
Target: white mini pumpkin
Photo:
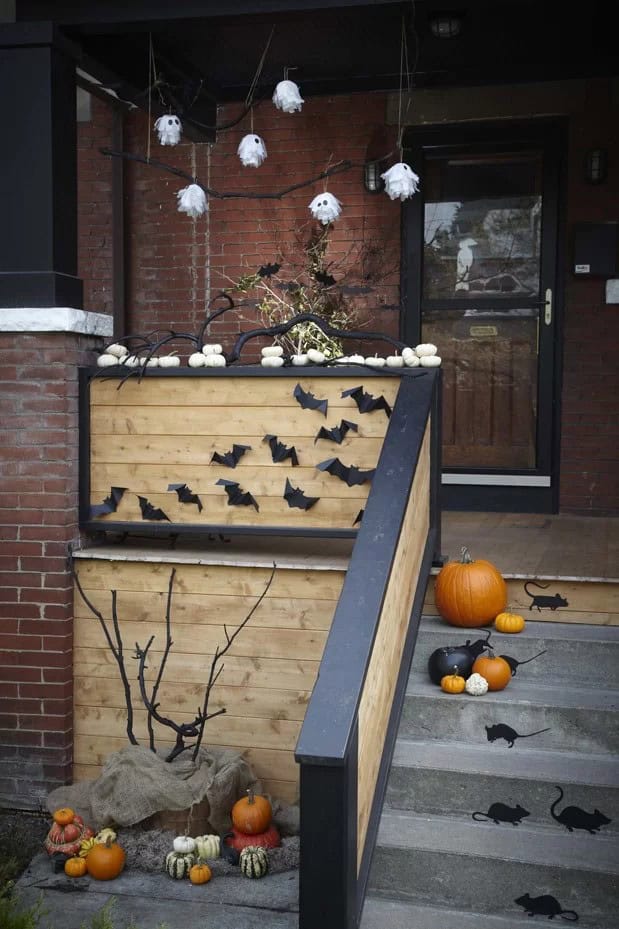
(425, 348)
(299, 360)
(375, 362)
(208, 846)
(116, 349)
(107, 361)
(196, 360)
(272, 351)
(184, 844)
(430, 361)
(476, 685)
(214, 349)
(169, 361)
(411, 360)
(214, 361)
(315, 357)
(272, 362)
(395, 361)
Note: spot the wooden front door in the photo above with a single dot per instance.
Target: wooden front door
(479, 281)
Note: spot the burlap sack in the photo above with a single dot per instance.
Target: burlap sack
(136, 783)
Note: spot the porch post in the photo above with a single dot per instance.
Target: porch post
(38, 169)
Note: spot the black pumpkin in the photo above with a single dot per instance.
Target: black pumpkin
(443, 661)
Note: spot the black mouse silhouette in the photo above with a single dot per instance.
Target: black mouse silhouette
(515, 664)
(545, 906)
(502, 731)
(501, 813)
(573, 817)
(544, 602)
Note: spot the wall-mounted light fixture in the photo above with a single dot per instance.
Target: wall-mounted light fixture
(445, 24)
(372, 180)
(596, 166)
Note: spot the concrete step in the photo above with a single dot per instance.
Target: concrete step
(573, 652)
(579, 719)
(385, 913)
(454, 778)
(481, 868)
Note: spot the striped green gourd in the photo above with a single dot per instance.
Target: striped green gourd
(253, 861)
(177, 864)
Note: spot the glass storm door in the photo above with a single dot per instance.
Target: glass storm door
(480, 282)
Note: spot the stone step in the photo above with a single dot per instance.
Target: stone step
(578, 719)
(454, 778)
(481, 868)
(573, 652)
(385, 913)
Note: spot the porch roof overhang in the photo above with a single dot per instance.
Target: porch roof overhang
(208, 50)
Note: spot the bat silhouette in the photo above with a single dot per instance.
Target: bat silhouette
(110, 504)
(359, 517)
(268, 270)
(149, 511)
(236, 496)
(186, 496)
(279, 451)
(296, 497)
(308, 401)
(366, 402)
(348, 473)
(231, 459)
(323, 278)
(337, 433)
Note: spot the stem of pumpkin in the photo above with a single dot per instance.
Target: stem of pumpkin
(465, 557)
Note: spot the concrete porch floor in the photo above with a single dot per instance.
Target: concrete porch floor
(535, 545)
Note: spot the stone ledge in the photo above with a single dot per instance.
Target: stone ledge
(55, 319)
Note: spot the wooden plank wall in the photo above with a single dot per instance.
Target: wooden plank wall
(377, 696)
(163, 431)
(268, 673)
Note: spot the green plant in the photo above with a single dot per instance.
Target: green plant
(13, 915)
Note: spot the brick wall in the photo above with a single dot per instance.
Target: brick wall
(38, 520)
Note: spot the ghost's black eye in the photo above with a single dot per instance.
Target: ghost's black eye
(170, 122)
(257, 140)
(405, 167)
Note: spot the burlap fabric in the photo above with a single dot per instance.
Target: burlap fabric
(136, 783)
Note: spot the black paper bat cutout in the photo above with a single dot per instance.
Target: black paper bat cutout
(359, 517)
(323, 278)
(231, 459)
(348, 473)
(279, 451)
(268, 270)
(149, 511)
(366, 402)
(308, 401)
(110, 504)
(296, 497)
(338, 433)
(186, 496)
(236, 496)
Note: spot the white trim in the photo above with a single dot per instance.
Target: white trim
(55, 319)
(500, 480)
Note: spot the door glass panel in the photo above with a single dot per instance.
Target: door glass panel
(482, 245)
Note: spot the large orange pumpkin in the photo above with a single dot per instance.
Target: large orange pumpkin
(251, 814)
(469, 593)
(496, 671)
(105, 861)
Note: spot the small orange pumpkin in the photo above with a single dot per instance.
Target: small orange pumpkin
(469, 593)
(509, 622)
(200, 873)
(75, 867)
(453, 683)
(63, 816)
(252, 814)
(105, 861)
(496, 671)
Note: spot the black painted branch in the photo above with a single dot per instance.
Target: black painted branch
(166, 651)
(116, 651)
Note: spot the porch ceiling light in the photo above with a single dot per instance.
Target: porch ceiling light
(445, 24)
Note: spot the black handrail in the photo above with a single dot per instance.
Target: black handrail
(332, 889)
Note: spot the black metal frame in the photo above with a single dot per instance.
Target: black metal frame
(171, 529)
(331, 891)
(550, 136)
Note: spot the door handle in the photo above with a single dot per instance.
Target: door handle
(548, 306)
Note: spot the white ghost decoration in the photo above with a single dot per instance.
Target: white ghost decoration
(192, 200)
(169, 129)
(325, 207)
(252, 151)
(400, 181)
(287, 97)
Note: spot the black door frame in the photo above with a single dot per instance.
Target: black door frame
(551, 137)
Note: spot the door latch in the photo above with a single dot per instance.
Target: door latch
(548, 306)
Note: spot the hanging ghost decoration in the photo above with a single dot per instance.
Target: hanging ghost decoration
(192, 200)
(169, 129)
(287, 97)
(325, 207)
(400, 181)
(252, 151)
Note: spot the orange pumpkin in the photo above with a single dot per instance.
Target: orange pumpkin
(453, 683)
(105, 861)
(496, 671)
(200, 874)
(469, 593)
(63, 816)
(252, 814)
(509, 622)
(75, 867)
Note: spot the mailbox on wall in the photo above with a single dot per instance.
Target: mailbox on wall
(596, 249)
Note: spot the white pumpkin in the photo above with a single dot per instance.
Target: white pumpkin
(116, 349)
(214, 361)
(272, 362)
(197, 360)
(375, 362)
(299, 360)
(476, 685)
(425, 348)
(272, 351)
(356, 360)
(169, 361)
(411, 360)
(132, 361)
(107, 361)
(395, 361)
(430, 361)
(184, 844)
(316, 357)
(214, 349)
(208, 846)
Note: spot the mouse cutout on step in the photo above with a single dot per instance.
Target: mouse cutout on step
(544, 601)
(503, 731)
(546, 905)
(573, 817)
(502, 813)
